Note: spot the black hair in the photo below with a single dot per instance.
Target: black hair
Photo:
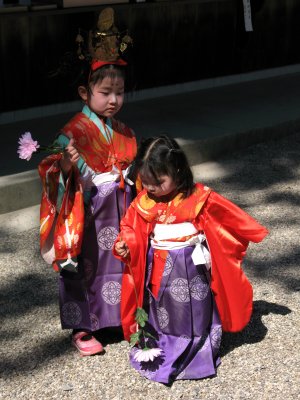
(112, 71)
(162, 155)
(78, 72)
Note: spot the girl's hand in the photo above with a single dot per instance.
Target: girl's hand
(69, 158)
(122, 249)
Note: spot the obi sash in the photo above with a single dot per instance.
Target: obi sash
(114, 175)
(163, 232)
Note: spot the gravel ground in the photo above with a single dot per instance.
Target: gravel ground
(261, 362)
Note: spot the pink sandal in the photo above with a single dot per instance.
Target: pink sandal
(86, 344)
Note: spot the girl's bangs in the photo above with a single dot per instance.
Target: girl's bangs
(147, 172)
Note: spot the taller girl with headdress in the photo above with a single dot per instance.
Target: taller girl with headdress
(86, 192)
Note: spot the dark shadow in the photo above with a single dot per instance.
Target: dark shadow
(109, 335)
(154, 365)
(255, 331)
(264, 176)
(53, 348)
(12, 242)
(41, 355)
(27, 292)
(5, 246)
(261, 166)
(280, 266)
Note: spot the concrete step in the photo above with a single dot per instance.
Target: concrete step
(19, 191)
(15, 222)
(19, 221)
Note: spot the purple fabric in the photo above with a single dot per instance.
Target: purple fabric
(184, 320)
(90, 299)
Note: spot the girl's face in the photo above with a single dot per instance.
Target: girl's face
(106, 97)
(165, 186)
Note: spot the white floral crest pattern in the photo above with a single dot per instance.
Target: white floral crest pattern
(105, 189)
(111, 292)
(182, 342)
(168, 265)
(216, 336)
(71, 313)
(180, 290)
(94, 321)
(106, 237)
(163, 317)
(199, 288)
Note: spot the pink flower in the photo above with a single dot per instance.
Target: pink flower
(147, 354)
(27, 146)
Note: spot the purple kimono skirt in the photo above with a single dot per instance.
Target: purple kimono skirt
(183, 319)
(90, 299)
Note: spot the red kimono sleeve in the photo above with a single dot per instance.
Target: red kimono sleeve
(229, 230)
(135, 231)
(60, 234)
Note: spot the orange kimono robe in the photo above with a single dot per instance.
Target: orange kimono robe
(61, 235)
(228, 231)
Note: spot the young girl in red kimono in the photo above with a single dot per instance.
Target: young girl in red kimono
(86, 192)
(183, 245)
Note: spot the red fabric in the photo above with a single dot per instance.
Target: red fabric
(228, 230)
(97, 152)
(100, 156)
(71, 212)
(158, 265)
(96, 64)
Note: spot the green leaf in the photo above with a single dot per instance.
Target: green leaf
(134, 338)
(141, 316)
